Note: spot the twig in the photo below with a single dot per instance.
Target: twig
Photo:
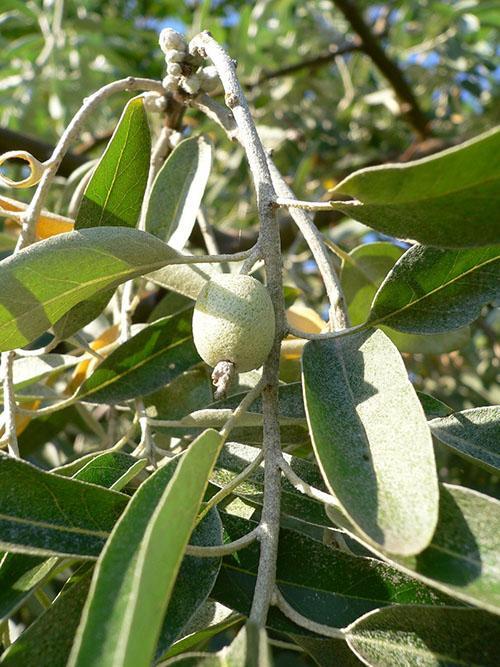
(306, 488)
(304, 622)
(289, 202)
(338, 310)
(298, 333)
(224, 549)
(232, 485)
(9, 403)
(313, 63)
(270, 244)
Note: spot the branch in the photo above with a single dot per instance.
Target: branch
(370, 44)
(223, 549)
(269, 243)
(313, 63)
(306, 488)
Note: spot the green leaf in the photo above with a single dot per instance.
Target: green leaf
(430, 290)
(361, 279)
(449, 199)
(47, 641)
(426, 637)
(193, 585)
(327, 585)
(177, 191)
(156, 355)
(136, 572)
(379, 466)
(81, 314)
(39, 284)
(28, 370)
(463, 559)
(327, 652)
(432, 406)
(115, 192)
(474, 434)
(185, 279)
(42, 513)
(21, 574)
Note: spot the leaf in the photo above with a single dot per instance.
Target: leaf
(20, 574)
(425, 637)
(379, 466)
(327, 652)
(334, 588)
(136, 572)
(156, 355)
(463, 559)
(432, 406)
(361, 279)
(473, 434)
(177, 192)
(449, 199)
(39, 284)
(28, 370)
(81, 314)
(185, 279)
(47, 641)
(193, 585)
(431, 290)
(116, 189)
(42, 513)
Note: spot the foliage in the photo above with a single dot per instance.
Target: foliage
(339, 505)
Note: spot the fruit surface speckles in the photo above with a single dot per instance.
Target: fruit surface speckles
(233, 320)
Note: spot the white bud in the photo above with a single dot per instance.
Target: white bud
(209, 78)
(174, 69)
(171, 39)
(170, 83)
(160, 103)
(174, 138)
(150, 100)
(174, 56)
(191, 84)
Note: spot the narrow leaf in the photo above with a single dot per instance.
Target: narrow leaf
(43, 282)
(42, 513)
(380, 467)
(361, 279)
(474, 434)
(156, 355)
(449, 199)
(31, 369)
(115, 192)
(431, 290)
(137, 570)
(426, 637)
(177, 191)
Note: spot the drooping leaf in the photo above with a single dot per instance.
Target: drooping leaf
(136, 572)
(463, 559)
(326, 585)
(177, 191)
(361, 279)
(448, 200)
(431, 290)
(156, 355)
(114, 194)
(380, 467)
(193, 585)
(426, 637)
(43, 513)
(185, 279)
(43, 282)
(47, 641)
(474, 434)
(81, 314)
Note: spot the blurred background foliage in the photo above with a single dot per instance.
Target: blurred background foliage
(334, 85)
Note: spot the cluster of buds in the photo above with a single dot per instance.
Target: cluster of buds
(185, 71)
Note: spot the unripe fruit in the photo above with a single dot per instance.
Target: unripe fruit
(233, 320)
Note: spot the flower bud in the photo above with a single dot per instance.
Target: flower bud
(174, 69)
(171, 39)
(170, 83)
